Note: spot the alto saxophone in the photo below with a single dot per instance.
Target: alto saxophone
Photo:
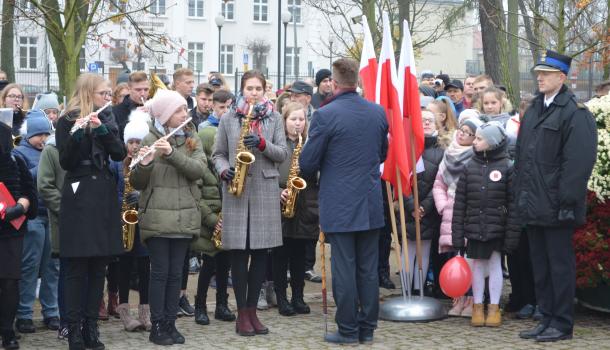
(243, 157)
(217, 235)
(295, 183)
(129, 216)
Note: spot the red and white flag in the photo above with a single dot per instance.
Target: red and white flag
(409, 99)
(368, 63)
(387, 95)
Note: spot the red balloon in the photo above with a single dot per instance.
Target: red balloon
(456, 277)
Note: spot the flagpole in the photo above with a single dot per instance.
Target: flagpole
(395, 237)
(403, 231)
(417, 216)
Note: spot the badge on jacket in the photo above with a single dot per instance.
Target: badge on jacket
(495, 176)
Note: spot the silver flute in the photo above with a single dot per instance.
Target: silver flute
(85, 121)
(139, 158)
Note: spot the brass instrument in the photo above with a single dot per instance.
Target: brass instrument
(217, 235)
(129, 216)
(155, 84)
(295, 184)
(243, 157)
(17, 140)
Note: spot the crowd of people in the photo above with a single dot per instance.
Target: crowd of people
(501, 185)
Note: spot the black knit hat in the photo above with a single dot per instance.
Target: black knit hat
(322, 74)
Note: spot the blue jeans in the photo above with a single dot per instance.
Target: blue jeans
(36, 260)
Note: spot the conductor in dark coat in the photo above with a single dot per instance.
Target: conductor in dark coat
(555, 154)
(347, 143)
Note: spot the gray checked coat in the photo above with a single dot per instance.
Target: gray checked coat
(260, 201)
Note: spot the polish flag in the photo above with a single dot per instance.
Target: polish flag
(387, 95)
(368, 63)
(409, 100)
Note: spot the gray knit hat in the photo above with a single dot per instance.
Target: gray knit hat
(472, 123)
(46, 101)
(493, 133)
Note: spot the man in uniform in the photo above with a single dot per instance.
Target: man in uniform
(555, 154)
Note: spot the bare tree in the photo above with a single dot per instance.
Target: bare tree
(6, 44)
(259, 48)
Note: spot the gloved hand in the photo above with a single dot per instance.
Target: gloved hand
(252, 140)
(14, 212)
(228, 174)
(132, 198)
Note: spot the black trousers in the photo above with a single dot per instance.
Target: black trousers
(521, 274)
(310, 253)
(554, 266)
(84, 279)
(126, 263)
(292, 254)
(385, 237)
(113, 275)
(247, 280)
(355, 280)
(9, 300)
(185, 270)
(166, 262)
(219, 264)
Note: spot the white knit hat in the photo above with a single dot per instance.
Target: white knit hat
(137, 128)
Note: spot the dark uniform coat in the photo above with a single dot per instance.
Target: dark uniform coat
(555, 153)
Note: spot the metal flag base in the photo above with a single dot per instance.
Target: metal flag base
(412, 309)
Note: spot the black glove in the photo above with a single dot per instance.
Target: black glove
(252, 140)
(132, 198)
(566, 215)
(228, 174)
(462, 251)
(14, 212)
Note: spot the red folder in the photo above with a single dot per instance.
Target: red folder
(7, 198)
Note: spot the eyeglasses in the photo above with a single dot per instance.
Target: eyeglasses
(15, 97)
(467, 133)
(104, 93)
(428, 119)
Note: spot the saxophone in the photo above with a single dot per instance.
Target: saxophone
(129, 216)
(243, 159)
(217, 235)
(295, 183)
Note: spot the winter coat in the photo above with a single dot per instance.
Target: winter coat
(504, 119)
(306, 221)
(17, 179)
(210, 202)
(169, 199)
(31, 156)
(347, 143)
(258, 207)
(484, 208)
(555, 153)
(90, 215)
(430, 222)
(122, 111)
(50, 183)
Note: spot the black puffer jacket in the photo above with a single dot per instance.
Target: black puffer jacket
(431, 221)
(484, 208)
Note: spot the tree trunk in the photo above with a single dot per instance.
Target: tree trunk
(513, 51)
(606, 44)
(7, 40)
(489, 35)
(561, 29)
(368, 9)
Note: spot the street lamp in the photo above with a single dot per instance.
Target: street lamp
(286, 16)
(220, 20)
(279, 44)
(331, 40)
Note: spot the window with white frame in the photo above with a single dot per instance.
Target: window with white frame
(292, 60)
(157, 7)
(195, 8)
(295, 7)
(228, 10)
(261, 9)
(26, 5)
(28, 52)
(226, 59)
(122, 6)
(195, 56)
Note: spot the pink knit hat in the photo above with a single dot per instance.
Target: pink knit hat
(165, 104)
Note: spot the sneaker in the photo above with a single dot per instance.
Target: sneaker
(52, 323)
(311, 276)
(262, 300)
(194, 266)
(62, 333)
(184, 306)
(24, 325)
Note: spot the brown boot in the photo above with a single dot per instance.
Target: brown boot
(113, 303)
(259, 328)
(494, 317)
(129, 323)
(478, 316)
(103, 313)
(144, 316)
(243, 326)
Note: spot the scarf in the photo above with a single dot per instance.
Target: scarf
(454, 162)
(260, 112)
(213, 120)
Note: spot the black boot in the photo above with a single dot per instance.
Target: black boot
(75, 337)
(386, 282)
(298, 304)
(91, 336)
(201, 311)
(159, 334)
(173, 332)
(222, 311)
(283, 306)
(9, 340)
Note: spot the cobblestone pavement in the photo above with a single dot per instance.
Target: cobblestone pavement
(592, 331)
